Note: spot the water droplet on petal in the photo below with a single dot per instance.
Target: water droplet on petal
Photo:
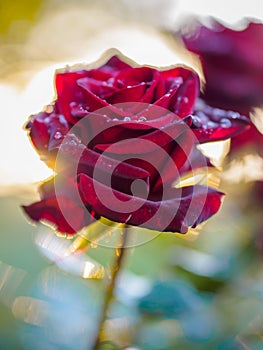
(225, 123)
(211, 124)
(233, 115)
(127, 119)
(142, 119)
(57, 135)
(73, 142)
(218, 113)
(196, 121)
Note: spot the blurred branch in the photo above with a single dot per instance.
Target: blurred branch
(109, 293)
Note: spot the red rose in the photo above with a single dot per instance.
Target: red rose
(119, 137)
(232, 62)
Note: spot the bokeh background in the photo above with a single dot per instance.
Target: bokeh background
(203, 291)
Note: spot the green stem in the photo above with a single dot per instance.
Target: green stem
(109, 293)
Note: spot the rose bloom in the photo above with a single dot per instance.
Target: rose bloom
(232, 62)
(119, 136)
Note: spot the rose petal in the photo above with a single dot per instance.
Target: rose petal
(231, 60)
(134, 76)
(60, 205)
(76, 159)
(128, 94)
(213, 124)
(186, 84)
(205, 203)
(92, 100)
(101, 88)
(68, 91)
(49, 210)
(47, 131)
(114, 65)
(177, 154)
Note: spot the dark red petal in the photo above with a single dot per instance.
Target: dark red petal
(76, 159)
(60, 205)
(135, 76)
(128, 94)
(47, 131)
(114, 65)
(39, 134)
(217, 39)
(177, 154)
(197, 37)
(214, 124)
(236, 88)
(92, 100)
(101, 88)
(210, 199)
(50, 209)
(186, 84)
(68, 91)
(231, 60)
(165, 148)
(154, 89)
(174, 213)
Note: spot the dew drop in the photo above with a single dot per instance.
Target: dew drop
(211, 124)
(73, 142)
(196, 121)
(57, 135)
(233, 115)
(115, 119)
(142, 119)
(185, 100)
(225, 123)
(218, 113)
(127, 119)
(203, 117)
